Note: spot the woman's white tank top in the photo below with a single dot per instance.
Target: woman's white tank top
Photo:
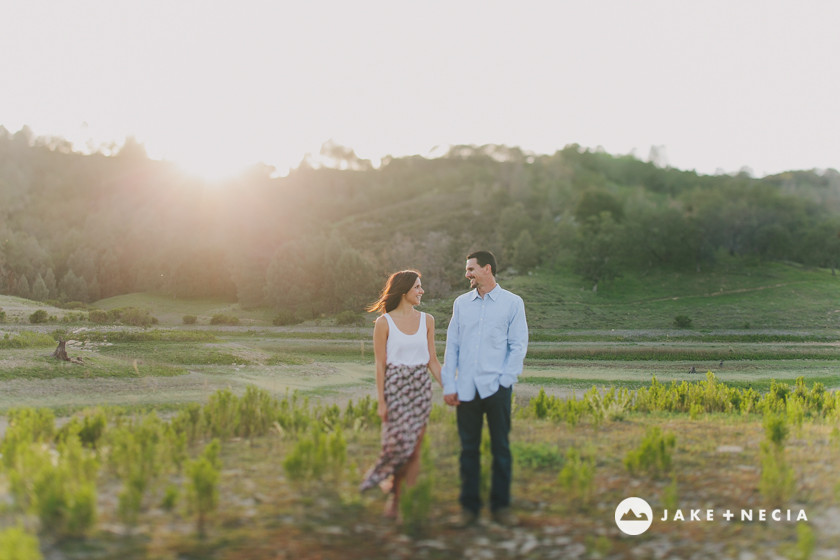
(407, 349)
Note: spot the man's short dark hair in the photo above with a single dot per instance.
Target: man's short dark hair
(483, 258)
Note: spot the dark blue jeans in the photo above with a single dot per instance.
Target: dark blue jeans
(470, 422)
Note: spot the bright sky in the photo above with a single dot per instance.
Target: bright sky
(217, 85)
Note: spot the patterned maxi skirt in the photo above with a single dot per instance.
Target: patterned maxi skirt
(408, 396)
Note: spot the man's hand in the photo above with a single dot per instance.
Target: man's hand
(451, 399)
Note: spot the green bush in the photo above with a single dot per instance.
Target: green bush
(60, 488)
(285, 317)
(17, 544)
(257, 412)
(577, 476)
(347, 318)
(416, 501)
(776, 483)
(89, 426)
(203, 476)
(141, 452)
(190, 319)
(26, 339)
(537, 455)
(98, 316)
(654, 454)
(137, 317)
(222, 319)
(39, 316)
(682, 321)
(315, 455)
(221, 414)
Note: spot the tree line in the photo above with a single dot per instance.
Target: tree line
(80, 227)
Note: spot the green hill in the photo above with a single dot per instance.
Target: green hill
(731, 296)
(321, 241)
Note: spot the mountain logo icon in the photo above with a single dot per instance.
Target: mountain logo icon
(633, 516)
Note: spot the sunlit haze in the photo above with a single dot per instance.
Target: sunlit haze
(218, 86)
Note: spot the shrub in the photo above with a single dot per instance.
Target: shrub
(654, 454)
(39, 316)
(89, 427)
(26, 339)
(221, 319)
(682, 321)
(141, 452)
(315, 455)
(285, 317)
(221, 414)
(257, 412)
(537, 455)
(416, 501)
(98, 316)
(17, 544)
(59, 488)
(577, 476)
(137, 317)
(776, 482)
(190, 319)
(189, 423)
(347, 318)
(2, 316)
(203, 475)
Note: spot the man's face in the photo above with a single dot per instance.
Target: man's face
(477, 275)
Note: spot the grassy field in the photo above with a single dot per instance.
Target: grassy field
(750, 326)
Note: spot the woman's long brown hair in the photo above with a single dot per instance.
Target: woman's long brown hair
(398, 283)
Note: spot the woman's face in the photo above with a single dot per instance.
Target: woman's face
(414, 295)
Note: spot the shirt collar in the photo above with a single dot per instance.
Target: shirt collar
(494, 293)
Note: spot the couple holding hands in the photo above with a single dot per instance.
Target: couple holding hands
(486, 342)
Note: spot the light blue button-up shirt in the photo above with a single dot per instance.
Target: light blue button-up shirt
(486, 343)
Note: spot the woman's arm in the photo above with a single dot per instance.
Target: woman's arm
(380, 341)
(434, 363)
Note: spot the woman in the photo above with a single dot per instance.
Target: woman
(404, 347)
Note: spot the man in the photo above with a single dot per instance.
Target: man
(485, 347)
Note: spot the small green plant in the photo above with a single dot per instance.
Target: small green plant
(141, 453)
(776, 483)
(59, 486)
(682, 321)
(315, 455)
(654, 454)
(416, 501)
(39, 316)
(805, 542)
(190, 319)
(695, 411)
(222, 319)
(137, 317)
(577, 476)
(221, 414)
(285, 317)
(347, 318)
(257, 413)
(17, 544)
(26, 339)
(670, 496)
(203, 475)
(536, 455)
(89, 426)
(170, 498)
